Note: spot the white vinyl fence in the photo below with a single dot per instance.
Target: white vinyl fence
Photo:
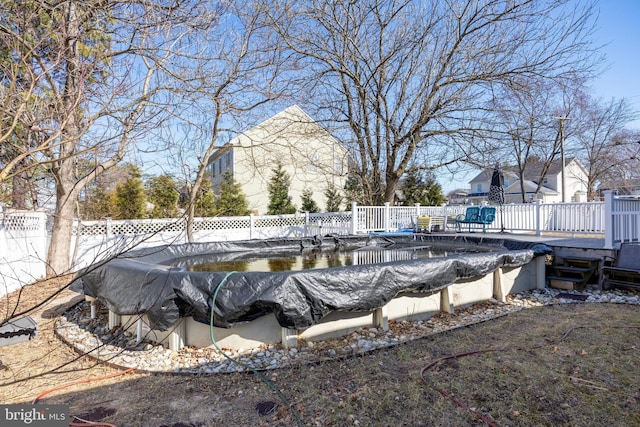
(23, 249)
(99, 240)
(622, 215)
(24, 237)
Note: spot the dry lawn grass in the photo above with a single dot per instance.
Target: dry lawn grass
(517, 370)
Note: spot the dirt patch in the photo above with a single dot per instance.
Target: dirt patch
(561, 365)
(98, 413)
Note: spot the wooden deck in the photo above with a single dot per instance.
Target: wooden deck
(562, 245)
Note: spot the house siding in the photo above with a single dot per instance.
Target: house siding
(308, 153)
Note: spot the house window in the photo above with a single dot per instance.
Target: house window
(313, 163)
(506, 183)
(478, 188)
(338, 166)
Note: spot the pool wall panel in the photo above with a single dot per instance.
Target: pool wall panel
(407, 306)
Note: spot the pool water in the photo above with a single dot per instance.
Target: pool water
(317, 259)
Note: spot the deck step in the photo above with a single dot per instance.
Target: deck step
(572, 269)
(580, 258)
(567, 283)
(572, 272)
(578, 261)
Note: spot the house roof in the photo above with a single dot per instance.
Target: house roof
(486, 175)
(533, 170)
(624, 186)
(529, 187)
(274, 125)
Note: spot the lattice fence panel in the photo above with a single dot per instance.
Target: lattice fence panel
(215, 224)
(146, 227)
(279, 221)
(22, 222)
(90, 229)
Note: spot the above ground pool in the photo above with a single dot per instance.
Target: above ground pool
(322, 256)
(300, 281)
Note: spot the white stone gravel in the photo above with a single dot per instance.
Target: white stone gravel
(119, 348)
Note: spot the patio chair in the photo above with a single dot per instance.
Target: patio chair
(487, 216)
(475, 215)
(423, 224)
(625, 271)
(471, 215)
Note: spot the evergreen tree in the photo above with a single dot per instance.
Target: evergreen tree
(434, 192)
(353, 190)
(412, 188)
(279, 199)
(231, 201)
(334, 198)
(422, 188)
(162, 192)
(98, 199)
(308, 204)
(100, 204)
(205, 202)
(130, 200)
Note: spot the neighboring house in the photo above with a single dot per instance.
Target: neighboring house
(308, 153)
(550, 191)
(621, 186)
(458, 197)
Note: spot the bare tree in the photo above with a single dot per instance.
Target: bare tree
(409, 77)
(527, 132)
(103, 75)
(236, 73)
(21, 107)
(605, 145)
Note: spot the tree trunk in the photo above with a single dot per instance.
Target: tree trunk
(20, 187)
(63, 169)
(60, 246)
(390, 189)
(191, 213)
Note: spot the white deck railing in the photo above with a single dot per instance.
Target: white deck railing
(574, 218)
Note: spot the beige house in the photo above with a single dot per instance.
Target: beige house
(549, 192)
(308, 153)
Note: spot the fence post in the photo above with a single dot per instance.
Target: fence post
(387, 217)
(42, 239)
(608, 219)
(354, 218)
(252, 224)
(306, 223)
(107, 228)
(538, 217)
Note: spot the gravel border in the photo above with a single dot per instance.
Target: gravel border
(118, 348)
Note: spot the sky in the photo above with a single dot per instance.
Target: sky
(619, 31)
